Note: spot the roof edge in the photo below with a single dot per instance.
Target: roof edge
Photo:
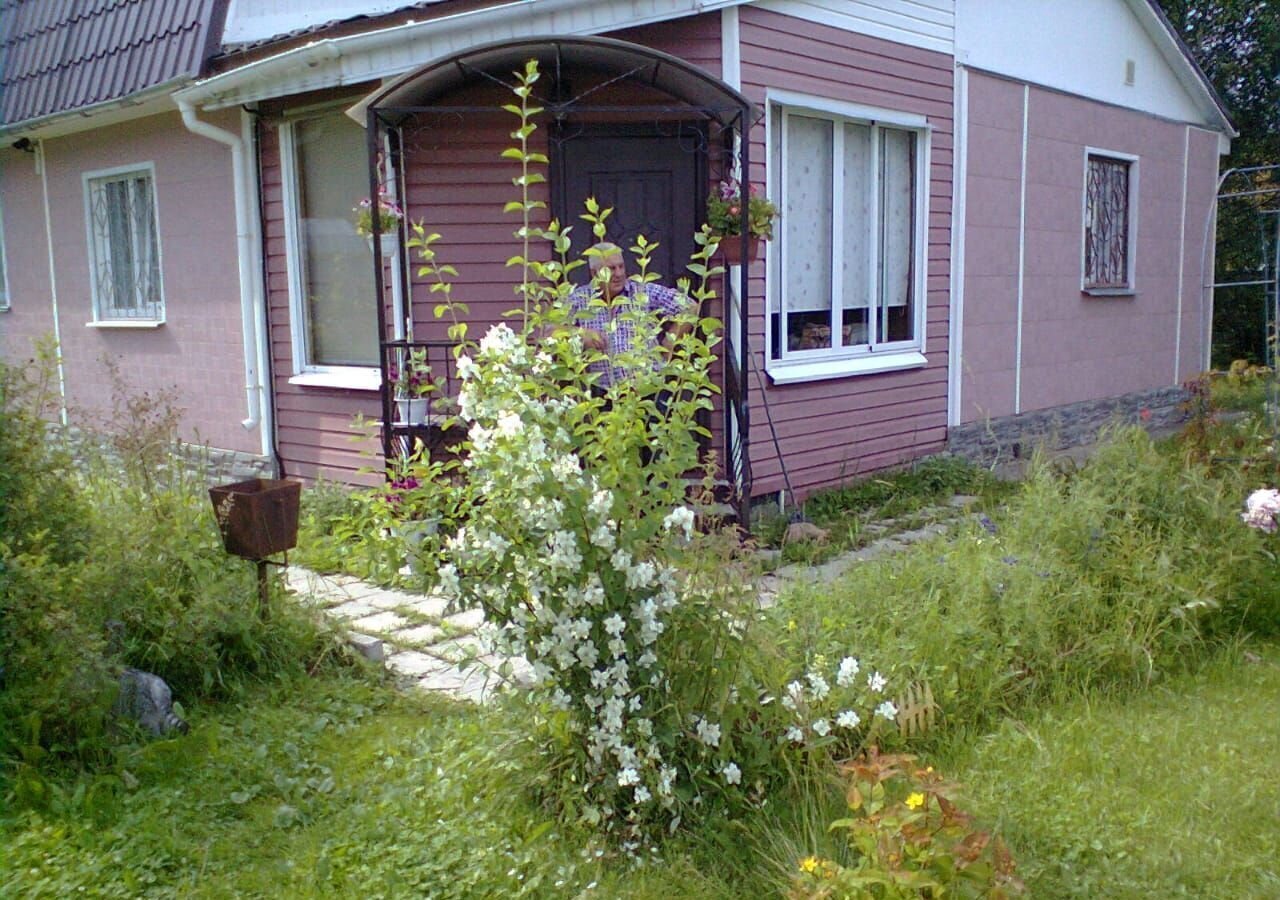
(1180, 51)
(150, 101)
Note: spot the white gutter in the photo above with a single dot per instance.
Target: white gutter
(244, 255)
(223, 90)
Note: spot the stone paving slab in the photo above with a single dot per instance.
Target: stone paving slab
(450, 653)
(379, 621)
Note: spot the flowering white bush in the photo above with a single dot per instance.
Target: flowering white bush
(1262, 510)
(846, 715)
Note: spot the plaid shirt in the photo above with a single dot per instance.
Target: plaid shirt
(620, 331)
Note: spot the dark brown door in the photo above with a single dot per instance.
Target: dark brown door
(655, 184)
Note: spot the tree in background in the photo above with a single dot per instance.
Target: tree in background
(1237, 43)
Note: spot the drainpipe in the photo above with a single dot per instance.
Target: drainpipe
(53, 281)
(244, 257)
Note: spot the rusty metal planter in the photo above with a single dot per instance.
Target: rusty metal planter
(257, 517)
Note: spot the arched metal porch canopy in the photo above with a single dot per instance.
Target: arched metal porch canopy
(695, 88)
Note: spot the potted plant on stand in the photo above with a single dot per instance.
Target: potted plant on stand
(389, 215)
(724, 218)
(411, 383)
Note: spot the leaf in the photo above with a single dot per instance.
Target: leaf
(917, 711)
(513, 153)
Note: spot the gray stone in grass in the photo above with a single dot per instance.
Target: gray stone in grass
(146, 699)
(367, 646)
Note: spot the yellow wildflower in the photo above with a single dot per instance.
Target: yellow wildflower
(809, 864)
(915, 801)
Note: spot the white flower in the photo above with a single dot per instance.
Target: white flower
(848, 671)
(564, 551)
(1263, 508)
(818, 685)
(602, 536)
(498, 339)
(795, 735)
(641, 575)
(732, 774)
(708, 733)
(821, 728)
(794, 695)
(628, 777)
(887, 710)
(682, 518)
(876, 682)
(618, 647)
(600, 505)
(615, 625)
(848, 719)
(465, 367)
(509, 425)
(642, 794)
(448, 581)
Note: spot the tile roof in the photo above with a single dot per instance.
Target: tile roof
(63, 55)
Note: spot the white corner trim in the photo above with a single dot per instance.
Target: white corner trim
(869, 364)
(730, 48)
(1182, 257)
(959, 198)
(350, 379)
(1022, 251)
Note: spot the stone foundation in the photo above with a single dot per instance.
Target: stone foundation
(215, 466)
(995, 441)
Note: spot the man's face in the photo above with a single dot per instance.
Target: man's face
(617, 275)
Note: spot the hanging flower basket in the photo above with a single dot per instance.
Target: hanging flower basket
(730, 249)
(387, 248)
(258, 517)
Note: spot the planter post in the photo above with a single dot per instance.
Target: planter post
(258, 518)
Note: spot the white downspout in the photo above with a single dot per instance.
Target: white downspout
(244, 257)
(253, 200)
(42, 165)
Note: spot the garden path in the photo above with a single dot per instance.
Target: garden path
(432, 650)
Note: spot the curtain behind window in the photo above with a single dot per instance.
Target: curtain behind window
(337, 267)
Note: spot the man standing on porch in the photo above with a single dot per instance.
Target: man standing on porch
(607, 328)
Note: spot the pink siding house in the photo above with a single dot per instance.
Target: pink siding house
(993, 211)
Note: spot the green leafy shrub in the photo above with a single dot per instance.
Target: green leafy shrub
(116, 561)
(906, 838)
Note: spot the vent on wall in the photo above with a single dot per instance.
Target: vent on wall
(1130, 69)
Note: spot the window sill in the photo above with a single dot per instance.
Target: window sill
(1109, 292)
(347, 379)
(821, 370)
(149, 323)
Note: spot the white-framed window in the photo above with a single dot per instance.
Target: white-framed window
(334, 316)
(847, 266)
(4, 268)
(1110, 222)
(124, 245)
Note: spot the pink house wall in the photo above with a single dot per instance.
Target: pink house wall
(198, 348)
(1075, 346)
(836, 429)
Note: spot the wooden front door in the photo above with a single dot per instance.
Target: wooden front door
(655, 183)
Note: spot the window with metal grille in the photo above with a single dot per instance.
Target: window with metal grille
(124, 246)
(848, 263)
(1108, 223)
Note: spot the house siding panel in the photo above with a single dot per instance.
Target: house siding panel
(837, 429)
(1076, 347)
(197, 351)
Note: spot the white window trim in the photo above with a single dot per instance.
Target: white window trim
(5, 302)
(305, 373)
(816, 365)
(1131, 250)
(87, 179)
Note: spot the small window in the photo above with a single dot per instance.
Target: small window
(1108, 223)
(4, 271)
(124, 246)
(848, 267)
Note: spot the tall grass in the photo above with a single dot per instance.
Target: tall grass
(1106, 577)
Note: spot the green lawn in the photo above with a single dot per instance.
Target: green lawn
(338, 787)
(1168, 793)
